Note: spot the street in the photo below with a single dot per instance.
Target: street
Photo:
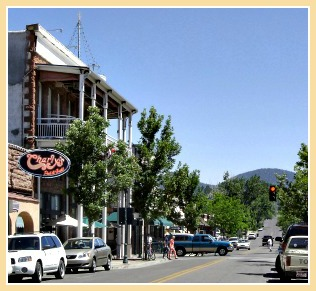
(254, 266)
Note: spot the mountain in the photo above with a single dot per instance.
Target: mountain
(267, 175)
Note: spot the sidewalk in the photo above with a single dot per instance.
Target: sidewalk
(135, 262)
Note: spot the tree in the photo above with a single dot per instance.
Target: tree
(122, 171)
(85, 146)
(253, 194)
(94, 178)
(293, 197)
(185, 197)
(228, 214)
(156, 158)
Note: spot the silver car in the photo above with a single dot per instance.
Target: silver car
(87, 253)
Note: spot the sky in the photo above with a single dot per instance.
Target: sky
(235, 81)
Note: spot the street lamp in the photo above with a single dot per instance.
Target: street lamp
(125, 260)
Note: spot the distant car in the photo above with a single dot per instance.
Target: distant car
(87, 253)
(35, 254)
(260, 229)
(265, 239)
(294, 259)
(252, 235)
(233, 240)
(243, 244)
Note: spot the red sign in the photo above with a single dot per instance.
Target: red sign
(46, 163)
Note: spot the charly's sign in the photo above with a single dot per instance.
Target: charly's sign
(46, 163)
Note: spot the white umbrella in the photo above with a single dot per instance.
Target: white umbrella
(66, 220)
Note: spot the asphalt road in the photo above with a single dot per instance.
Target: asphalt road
(254, 266)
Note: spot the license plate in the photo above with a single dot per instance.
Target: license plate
(301, 274)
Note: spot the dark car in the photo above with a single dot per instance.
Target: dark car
(265, 239)
(298, 229)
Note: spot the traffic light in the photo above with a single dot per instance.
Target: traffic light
(272, 193)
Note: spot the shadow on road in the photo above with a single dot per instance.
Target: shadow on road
(274, 277)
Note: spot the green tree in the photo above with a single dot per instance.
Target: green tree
(122, 171)
(93, 178)
(253, 193)
(293, 196)
(185, 196)
(156, 157)
(228, 214)
(85, 148)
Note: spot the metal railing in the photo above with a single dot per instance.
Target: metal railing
(53, 126)
(57, 126)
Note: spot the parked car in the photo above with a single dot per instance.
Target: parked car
(33, 255)
(243, 244)
(293, 230)
(294, 259)
(233, 240)
(265, 239)
(87, 253)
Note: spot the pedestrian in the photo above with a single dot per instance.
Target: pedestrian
(166, 247)
(171, 248)
(270, 244)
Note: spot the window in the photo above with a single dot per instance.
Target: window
(55, 202)
(47, 240)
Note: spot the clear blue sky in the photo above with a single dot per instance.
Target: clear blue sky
(234, 80)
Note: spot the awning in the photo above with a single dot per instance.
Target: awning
(162, 221)
(19, 222)
(66, 220)
(97, 224)
(112, 217)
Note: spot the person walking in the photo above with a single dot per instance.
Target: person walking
(171, 248)
(270, 244)
(166, 247)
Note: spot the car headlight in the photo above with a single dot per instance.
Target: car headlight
(25, 259)
(83, 255)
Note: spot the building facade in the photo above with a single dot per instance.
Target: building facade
(48, 88)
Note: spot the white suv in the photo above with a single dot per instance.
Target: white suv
(36, 254)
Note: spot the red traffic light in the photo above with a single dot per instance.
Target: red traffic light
(272, 193)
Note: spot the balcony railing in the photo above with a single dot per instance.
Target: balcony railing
(54, 126)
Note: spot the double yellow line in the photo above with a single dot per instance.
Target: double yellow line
(187, 271)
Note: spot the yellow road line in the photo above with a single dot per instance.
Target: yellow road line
(183, 272)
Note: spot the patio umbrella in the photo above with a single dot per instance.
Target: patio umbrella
(66, 220)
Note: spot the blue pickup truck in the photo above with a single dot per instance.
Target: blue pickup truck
(186, 243)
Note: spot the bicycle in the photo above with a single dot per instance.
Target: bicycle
(151, 255)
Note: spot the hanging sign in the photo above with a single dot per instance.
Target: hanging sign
(46, 163)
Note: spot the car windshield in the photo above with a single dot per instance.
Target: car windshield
(243, 241)
(78, 244)
(298, 243)
(23, 243)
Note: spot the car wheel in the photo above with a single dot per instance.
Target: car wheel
(108, 265)
(222, 251)
(249, 249)
(237, 249)
(38, 275)
(93, 266)
(60, 274)
(180, 252)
